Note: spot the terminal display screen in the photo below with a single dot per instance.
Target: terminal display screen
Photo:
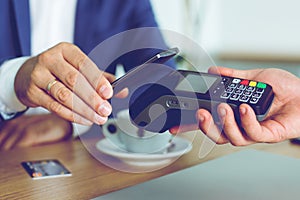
(196, 83)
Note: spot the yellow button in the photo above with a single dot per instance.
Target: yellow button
(252, 83)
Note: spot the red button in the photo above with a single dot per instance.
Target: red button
(244, 82)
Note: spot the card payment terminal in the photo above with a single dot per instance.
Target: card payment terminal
(174, 100)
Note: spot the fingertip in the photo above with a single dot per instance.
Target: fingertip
(204, 120)
(202, 115)
(246, 111)
(223, 110)
(173, 130)
(250, 124)
(214, 69)
(105, 109)
(122, 94)
(243, 110)
(106, 91)
(183, 128)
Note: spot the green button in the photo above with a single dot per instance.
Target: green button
(261, 85)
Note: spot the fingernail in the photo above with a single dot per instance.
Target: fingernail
(222, 112)
(243, 110)
(105, 109)
(105, 91)
(201, 118)
(100, 120)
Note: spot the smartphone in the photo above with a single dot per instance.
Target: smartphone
(161, 57)
(174, 100)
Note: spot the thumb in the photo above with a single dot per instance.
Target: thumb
(246, 74)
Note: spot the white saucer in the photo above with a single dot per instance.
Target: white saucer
(181, 147)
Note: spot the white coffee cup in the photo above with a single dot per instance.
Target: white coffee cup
(122, 133)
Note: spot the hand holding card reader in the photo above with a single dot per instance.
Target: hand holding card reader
(181, 93)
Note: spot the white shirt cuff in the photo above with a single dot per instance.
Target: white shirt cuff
(9, 102)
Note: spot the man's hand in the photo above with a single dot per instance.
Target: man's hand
(66, 82)
(32, 130)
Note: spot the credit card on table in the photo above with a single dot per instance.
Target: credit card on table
(41, 169)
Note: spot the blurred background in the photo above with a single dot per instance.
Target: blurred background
(238, 33)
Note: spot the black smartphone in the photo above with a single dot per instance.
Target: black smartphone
(174, 100)
(161, 57)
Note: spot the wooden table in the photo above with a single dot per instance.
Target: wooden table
(90, 178)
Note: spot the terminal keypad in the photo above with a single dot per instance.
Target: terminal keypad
(244, 90)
